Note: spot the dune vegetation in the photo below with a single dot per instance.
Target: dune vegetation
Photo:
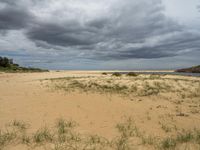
(130, 85)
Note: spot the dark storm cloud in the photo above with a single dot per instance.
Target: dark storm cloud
(125, 30)
(131, 23)
(126, 24)
(144, 52)
(13, 16)
(174, 45)
(69, 34)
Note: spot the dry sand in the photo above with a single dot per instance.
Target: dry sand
(31, 98)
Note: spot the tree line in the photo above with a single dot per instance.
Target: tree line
(7, 65)
(6, 62)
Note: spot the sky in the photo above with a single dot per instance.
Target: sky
(101, 34)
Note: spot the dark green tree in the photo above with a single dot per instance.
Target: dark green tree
(5, 62)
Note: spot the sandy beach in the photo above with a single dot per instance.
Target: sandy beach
(161, 106)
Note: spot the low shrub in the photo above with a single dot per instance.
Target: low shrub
(132, 74)
(116, 74)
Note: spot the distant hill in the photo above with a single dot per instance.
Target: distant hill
(195, 69)
(7, 65)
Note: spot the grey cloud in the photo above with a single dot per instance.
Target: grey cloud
(183, 42)
(98, 23)
(124, 30)
(13, 16)
(10, 2)
(63, 35)
(132, 22)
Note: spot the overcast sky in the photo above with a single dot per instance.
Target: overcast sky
(101, 34)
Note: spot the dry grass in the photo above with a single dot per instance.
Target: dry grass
(64, 136)
(140, 85)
